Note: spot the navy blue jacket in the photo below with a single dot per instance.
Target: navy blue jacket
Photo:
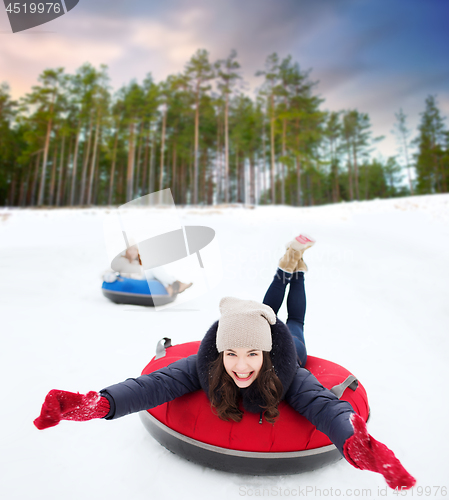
(302, 391)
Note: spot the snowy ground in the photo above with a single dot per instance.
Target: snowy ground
(377, 295)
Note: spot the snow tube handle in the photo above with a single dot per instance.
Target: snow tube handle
(160, 348)
(350, 381)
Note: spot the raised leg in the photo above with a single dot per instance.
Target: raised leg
(274, 296)
(296, 306)
(290, 271)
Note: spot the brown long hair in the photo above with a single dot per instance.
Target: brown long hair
(224, 393)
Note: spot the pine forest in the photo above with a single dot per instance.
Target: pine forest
(72, 142)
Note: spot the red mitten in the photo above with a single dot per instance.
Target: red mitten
(62, 405)
(364, 452)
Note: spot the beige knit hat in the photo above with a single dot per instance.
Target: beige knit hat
(244, 323)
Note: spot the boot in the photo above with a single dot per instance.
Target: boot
(289, 260)
(301, 243)
(301, 267)
(179, 286)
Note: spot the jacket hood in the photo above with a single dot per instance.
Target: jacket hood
(283, 357)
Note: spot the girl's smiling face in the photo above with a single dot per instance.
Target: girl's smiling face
(242, 365)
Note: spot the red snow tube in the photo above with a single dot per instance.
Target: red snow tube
(188, 427)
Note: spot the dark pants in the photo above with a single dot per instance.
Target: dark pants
(296, 306)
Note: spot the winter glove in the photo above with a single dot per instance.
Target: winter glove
(364, 452)
(62, 405)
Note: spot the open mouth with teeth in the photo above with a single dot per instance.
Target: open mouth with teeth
(243, 376)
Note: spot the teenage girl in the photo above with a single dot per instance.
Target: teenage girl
(250, 359)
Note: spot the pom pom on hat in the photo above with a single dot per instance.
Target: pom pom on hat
(244, 323)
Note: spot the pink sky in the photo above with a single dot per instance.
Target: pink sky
(366, 56)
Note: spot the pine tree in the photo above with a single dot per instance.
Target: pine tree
(227, 72)
(403, 134)
(393, 176)
(333, 134)
(198, 71)
(269, 90)
(431, 168)
(84, 88)
(8, 111)
(101, 101)
(46, 99)
(356, 130)
(134, 103)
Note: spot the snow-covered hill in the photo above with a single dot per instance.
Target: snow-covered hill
(378, 303)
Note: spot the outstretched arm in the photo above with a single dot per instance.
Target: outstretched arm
(117, 400)
(345, 429)
(154, 389)
(321, 407)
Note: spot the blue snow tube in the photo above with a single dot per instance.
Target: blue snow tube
(137, 292)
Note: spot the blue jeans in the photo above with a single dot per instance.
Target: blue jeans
(296, 306)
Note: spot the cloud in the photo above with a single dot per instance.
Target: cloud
(24, 57)
(332, 78)
(443, 103)
(50, 53)
(174, 44)
(390, 91)
(373, 55)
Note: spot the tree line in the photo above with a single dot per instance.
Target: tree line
(71, 141)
